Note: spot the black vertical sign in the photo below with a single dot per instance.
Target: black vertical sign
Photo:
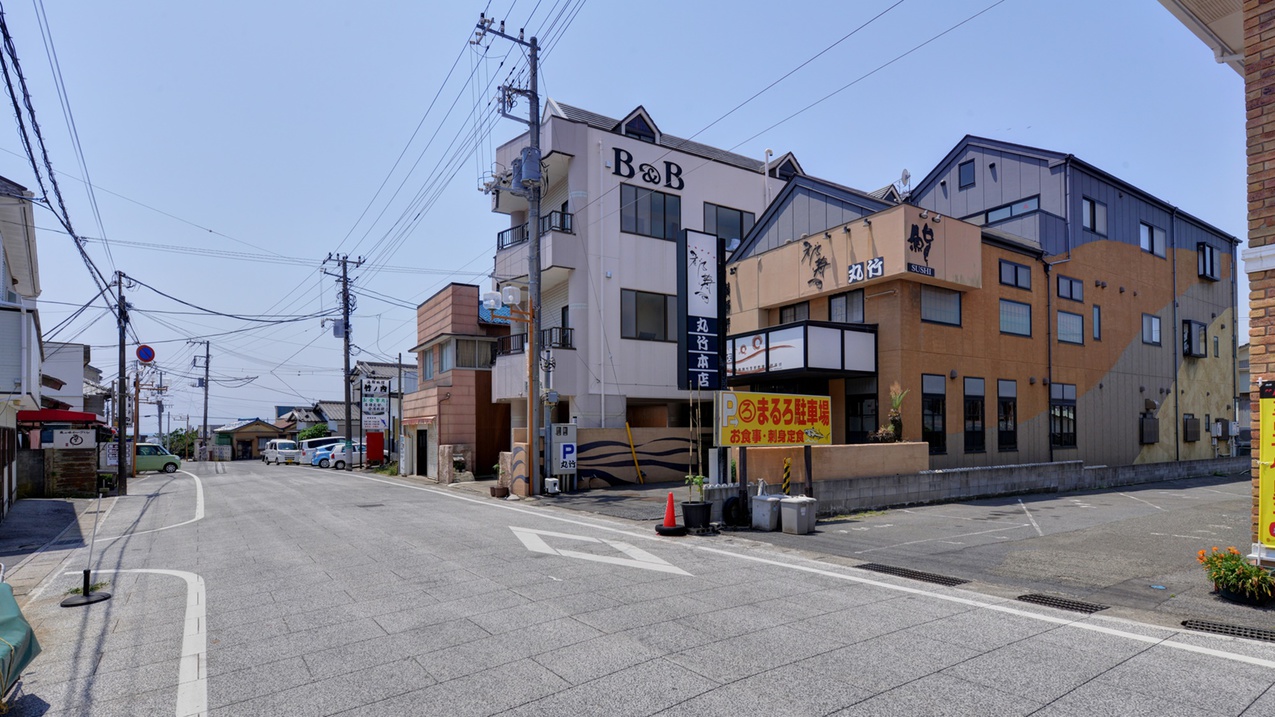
(701, 311)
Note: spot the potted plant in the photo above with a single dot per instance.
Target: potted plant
(897, 394)
(1235, 578)
(697, 514)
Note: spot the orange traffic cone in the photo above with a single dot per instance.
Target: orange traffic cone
(670, 526)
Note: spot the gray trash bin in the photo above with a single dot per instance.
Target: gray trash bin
(798, 515)
(765, 509)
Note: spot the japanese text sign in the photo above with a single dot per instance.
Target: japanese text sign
(773, 419)
(701, 311)
(1266, 473)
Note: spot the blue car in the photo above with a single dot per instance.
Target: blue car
(322, 457)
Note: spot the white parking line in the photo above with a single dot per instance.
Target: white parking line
(1029, 517)
(192, 672)
(1002, 608)
(199, 513)
(1134, 497)
(944, 538)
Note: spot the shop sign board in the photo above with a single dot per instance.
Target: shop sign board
(376, 404)
(75, 439)
(1266, 473)
(773, 419)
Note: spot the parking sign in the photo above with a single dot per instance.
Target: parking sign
(564, 449)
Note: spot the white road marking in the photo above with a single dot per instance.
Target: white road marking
(1175, 535)
(199, 513)
(638, 558)
(39, 589)
(980, 604)
(932, 540)
(1134, 497)
(192, 673)
(1029, 517)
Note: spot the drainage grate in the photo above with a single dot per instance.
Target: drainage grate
(370, 505)
(1251, 633)
(912, 574)
(1062, 603)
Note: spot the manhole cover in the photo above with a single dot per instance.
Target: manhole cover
(912, 574)
(1062, 603)
(1218, 628)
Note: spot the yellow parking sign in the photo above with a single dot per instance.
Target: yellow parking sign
(1266, 473)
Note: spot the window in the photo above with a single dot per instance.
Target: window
(1016, 318)
(647, 317)
(471, 353)
(1097, 323)
(1151, 329)
(1006, 415)
(794, 313)
(1093, 216)
(566, 317)
(975, 428)
(1062, 415)
(727, 223)
(1071, 328)
(1151, 238)
(427, 364)
(1016, 275)
(638, 128)
(650, 213)
(1216, 344)
(1017, 209)
(1207, 261)
(940, 306)
(446, 357)
(1195, 339)
(933, 408)
(966, 171)
(1069, 288)
(846, 308)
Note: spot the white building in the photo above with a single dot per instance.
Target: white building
(20, 339)
(615, 195)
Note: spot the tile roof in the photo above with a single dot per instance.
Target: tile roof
(376, 369)
(487, 316)
(241, 423)
(335, 410)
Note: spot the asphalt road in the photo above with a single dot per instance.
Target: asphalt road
(278, 590)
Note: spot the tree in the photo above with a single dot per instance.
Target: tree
(319, 431)
(181, 442)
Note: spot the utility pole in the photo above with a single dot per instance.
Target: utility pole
(346, 301)
(203, 429)
(137, 415)
(526, 182)
(159, 405)
(121, 403)
(398, 455)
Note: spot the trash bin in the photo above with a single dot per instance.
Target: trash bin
(798, 515)
(717, 495)
(765, 509)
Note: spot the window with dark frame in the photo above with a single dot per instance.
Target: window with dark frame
(1016, 318)
(846, 308)
(1020, 208)
(975, 421)
(650, 213)
(1071, 328)
(647, 316)
(1097, 323)
(1151, 238)
(727, 223)
(1207, 260)
(1062, 415)
(1069, 288)
(965, 170)
(794, 313)
(1195, 339)
(427, 364)
(638, 128)
(1093, 216)
(940, 306)
(933, 412)
(1151, 329)
(1006, 415)
(1017, 275)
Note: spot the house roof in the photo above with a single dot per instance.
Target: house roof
(242, 424)
(610, 124)
(335, 410)
(373, 369)
(499, 315)
(1054, 156)
(870, 204)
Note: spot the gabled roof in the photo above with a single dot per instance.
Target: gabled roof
(644, 117)
(870, 204)
(373, 369)
(888, 193)
(1051, 156)
(242, 424)
(335, 410)
(788, 158)
(553, 108)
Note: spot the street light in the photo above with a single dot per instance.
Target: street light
(510, 297)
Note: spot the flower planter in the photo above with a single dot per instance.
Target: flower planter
(697, 514)
(499, 491)
(1242, 599)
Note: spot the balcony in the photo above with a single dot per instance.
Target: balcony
(551, 222)
(555, 338)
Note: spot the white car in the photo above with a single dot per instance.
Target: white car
(310, 446)
(339, 459)
(281, 450)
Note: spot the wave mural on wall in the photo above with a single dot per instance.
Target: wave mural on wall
(605, 461)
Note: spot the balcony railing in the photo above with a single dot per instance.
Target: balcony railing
(551, 222)
(557, 337)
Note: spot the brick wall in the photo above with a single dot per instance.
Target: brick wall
(1259, 85)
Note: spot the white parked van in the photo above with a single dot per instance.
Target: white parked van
(281, 450)
(310, 445)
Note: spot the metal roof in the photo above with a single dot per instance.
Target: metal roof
(335, 410)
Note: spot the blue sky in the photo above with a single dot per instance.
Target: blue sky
(264, 130)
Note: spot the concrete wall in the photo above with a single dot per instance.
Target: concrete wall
(838, 462)
(848, 495)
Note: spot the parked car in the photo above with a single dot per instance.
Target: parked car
(281, 450)
(338, 455)
(154, 457)
(310, 446)
(322, 457)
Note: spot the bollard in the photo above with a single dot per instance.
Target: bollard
(86, 597)
(787, 475)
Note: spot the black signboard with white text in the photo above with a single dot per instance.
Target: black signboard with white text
(701, 311)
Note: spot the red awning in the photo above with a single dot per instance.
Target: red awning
(49, 415)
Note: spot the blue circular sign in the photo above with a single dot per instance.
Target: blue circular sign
(145, 354)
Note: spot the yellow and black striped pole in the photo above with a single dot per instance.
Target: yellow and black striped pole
(787, 474)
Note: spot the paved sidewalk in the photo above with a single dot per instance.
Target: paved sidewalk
(38, 534)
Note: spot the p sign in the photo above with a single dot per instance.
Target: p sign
(566, 459)
(564, 449)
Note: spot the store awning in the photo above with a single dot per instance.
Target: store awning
(51, 415)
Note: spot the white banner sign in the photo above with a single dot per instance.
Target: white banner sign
(376, 404)
(75, 439)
